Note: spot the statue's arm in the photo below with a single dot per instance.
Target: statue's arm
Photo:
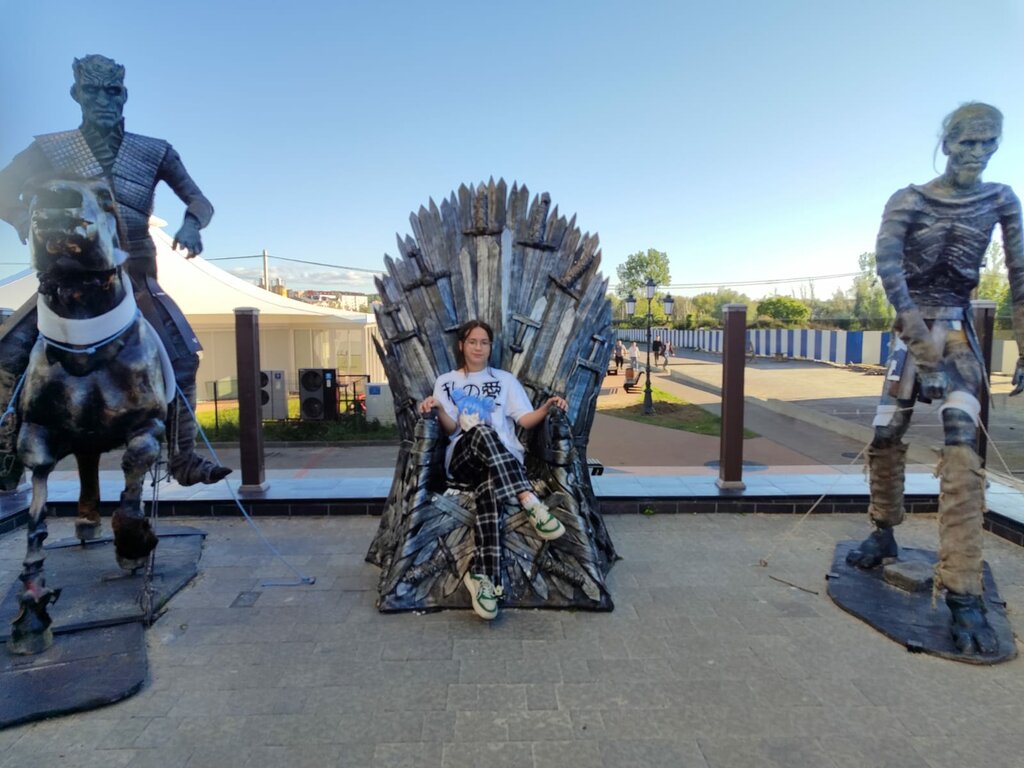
(890, 256)
(1013, 250)
(13, 208)
(889, 251)
(198, 209)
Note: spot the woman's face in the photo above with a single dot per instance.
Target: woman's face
(476, 349)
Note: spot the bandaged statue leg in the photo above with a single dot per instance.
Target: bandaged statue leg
(16, 342)
(187, 466)
(961, 513)
(887, 461)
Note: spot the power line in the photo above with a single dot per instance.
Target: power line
(674, 286)
(301, 261)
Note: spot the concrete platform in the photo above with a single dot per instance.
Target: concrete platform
(708, 661)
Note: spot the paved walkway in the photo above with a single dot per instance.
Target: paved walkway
(708, 661)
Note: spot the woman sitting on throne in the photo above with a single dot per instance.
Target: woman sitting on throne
(479, 407)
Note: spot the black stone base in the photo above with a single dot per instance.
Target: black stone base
(95, 592)
(81, 670)
(98, 655)
(908, 617)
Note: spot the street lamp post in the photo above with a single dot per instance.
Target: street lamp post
(651, 288)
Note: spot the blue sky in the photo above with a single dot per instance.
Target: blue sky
(749, 140)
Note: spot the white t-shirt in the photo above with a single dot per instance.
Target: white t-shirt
(510, 403)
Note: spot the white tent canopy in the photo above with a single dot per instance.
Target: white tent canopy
(293, 334)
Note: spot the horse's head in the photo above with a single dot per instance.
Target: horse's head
(74, 227)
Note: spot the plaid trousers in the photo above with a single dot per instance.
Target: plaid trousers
(481, 460)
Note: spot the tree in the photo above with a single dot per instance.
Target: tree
(784, 309)
(635, 271)
(871, 308)
(707, 307)
(836, 312)
(994, 284)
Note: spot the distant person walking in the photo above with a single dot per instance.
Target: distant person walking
(657, 349)
(620, 354)
(634, 356)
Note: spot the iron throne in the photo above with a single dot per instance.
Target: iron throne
(491, 254)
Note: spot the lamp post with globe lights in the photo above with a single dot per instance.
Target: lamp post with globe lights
(669, 303)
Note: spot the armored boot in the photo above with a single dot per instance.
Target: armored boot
(887, 468)
(187, 466)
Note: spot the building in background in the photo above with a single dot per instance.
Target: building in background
(293, 334)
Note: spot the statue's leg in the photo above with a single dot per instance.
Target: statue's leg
(134, 538)
(887, 461)
(88, 524)
(962, 505)
(30, 630)
(16, 339)
(187, 467)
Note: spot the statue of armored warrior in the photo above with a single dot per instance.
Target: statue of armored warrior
(133, 165)
(930, 250)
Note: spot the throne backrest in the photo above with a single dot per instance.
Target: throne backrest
(493, 254)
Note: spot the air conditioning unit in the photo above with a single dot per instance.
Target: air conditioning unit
(273, 396)
(318, 394)
(379, 403)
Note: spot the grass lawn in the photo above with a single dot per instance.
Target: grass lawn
(674, 413)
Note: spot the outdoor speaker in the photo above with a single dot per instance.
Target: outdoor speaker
(318, 394)
(273, 396)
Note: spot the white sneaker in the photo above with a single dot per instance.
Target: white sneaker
(548, 526)
(482, 595)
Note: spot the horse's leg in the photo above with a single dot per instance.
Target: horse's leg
(133, 536)
(87, 526)
(30, 630)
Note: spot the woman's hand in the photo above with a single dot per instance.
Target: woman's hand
(428, 404)
(533, 418)
(558, 402)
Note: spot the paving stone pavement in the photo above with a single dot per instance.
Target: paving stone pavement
(708, 660)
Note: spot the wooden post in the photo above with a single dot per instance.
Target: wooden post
(250, 426)
(734, 357)
(984, 311)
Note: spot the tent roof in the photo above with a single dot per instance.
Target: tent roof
(198, 287)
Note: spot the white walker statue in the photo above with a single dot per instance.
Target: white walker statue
(930, 250)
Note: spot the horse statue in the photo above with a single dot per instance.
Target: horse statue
(98, 378)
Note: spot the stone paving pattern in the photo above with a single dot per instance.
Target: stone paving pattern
(707, 661)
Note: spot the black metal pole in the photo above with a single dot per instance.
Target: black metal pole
(648, 398)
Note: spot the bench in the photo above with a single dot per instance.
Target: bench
(633, 377)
